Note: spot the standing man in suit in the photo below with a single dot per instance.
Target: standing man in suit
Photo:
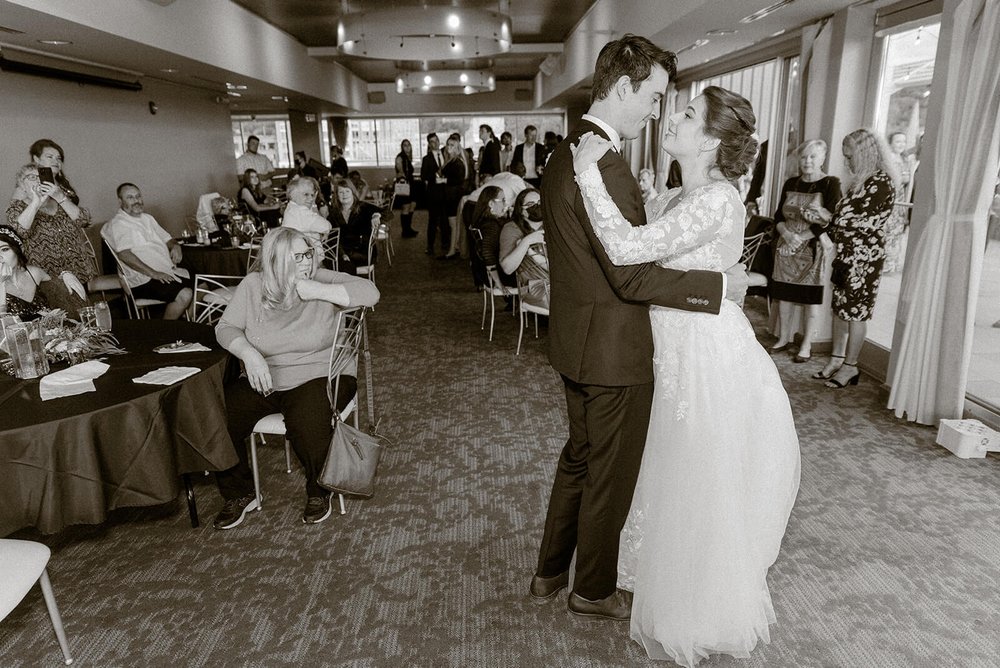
(434, 183)
(600, 337)
(490, 164)
(531, 154)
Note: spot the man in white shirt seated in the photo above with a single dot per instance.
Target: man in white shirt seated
(257, 162)
(147, 254)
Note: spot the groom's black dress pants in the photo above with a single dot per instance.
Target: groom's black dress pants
(594, 482)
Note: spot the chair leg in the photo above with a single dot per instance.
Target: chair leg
(256, 471)
(482, 325)
(520, 333)
(343, 510)
(536, 325)
(493, 315)
(288, 456)
(57, 625)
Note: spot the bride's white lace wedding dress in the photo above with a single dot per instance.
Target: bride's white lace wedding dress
(721, 466)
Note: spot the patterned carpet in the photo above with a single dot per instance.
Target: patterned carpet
(891, 556)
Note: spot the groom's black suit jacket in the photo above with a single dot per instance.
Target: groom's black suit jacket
(599, 324)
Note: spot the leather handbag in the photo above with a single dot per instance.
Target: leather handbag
(351, 461)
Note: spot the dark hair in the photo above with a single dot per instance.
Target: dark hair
(529, 129)
(519, 210)
(488, 129)
(730, 119)
(254, 190)
(454, 136)
(301, 154)
(119, 189)
(488, 194)
(506, 134)
(16, 243)
(253, 137)
(630, 56)
(344, 182)
(430, 135)
(35, 151)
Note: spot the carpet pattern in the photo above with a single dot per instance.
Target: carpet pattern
(890, 559)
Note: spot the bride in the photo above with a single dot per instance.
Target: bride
(721, 466)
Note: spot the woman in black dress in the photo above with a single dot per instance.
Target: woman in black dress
(858, 232)
(355, 220)
(802, 249)
(455, 172)
(404, 174)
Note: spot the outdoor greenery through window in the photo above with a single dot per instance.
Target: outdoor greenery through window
(274, 133)
(374, 142)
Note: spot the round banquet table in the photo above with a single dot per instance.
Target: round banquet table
(214, 260)
(70, 460)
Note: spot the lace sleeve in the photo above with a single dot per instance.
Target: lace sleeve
(692, 223)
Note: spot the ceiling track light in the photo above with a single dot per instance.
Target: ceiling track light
(766, 11)
(426, 32)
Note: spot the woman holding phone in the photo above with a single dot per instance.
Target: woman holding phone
(51, 224)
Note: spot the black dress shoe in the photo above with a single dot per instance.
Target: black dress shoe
(617, 606)
(409, 234)
(542, 589)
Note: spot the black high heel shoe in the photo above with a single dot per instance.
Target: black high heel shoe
(819, 375)
(841, 383)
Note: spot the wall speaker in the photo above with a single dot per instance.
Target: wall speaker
(376, 97)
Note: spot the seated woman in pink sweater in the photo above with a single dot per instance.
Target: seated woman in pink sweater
(280, 323)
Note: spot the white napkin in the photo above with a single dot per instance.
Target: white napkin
(77, 379)
(186, 348)
(168, 375)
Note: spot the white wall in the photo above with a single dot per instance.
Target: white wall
(109, 137)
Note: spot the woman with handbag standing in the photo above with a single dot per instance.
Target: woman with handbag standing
(286, 374)
(802, 248)
(403, 189)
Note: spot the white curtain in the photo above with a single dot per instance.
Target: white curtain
(932, 344)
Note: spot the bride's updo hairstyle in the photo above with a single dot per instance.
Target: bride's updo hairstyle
(730, 119)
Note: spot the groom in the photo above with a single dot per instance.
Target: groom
(601, 341)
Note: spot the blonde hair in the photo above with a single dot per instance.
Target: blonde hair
(871, 154)
(19, 192)
(278, 268)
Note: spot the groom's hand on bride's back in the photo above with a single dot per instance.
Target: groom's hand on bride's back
(737, 283)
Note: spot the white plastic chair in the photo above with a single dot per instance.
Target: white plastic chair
(22, 564)
(348, 336)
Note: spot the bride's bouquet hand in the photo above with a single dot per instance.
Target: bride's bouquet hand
(588, 150)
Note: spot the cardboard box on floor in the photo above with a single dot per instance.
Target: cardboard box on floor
(968, 439)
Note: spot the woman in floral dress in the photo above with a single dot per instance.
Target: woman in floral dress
(858, 232)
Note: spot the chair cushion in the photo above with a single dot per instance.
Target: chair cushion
(270, 424)
(21, 564)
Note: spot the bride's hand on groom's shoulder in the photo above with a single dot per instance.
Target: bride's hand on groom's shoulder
(588, 150)
(737, 283)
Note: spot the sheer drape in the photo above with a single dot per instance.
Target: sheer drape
(932, 344)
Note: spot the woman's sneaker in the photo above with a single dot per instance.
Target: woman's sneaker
(318, 508)
(235, 509)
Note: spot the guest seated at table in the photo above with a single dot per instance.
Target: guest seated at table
(354, 218)
(360, 185)
(255, 203)
(147, 254)
(285, 373)
(52, 228)
(19, 281)
(522, 242)
(301, 213)
(489, 218)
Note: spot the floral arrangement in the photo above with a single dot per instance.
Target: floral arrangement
(72, 341)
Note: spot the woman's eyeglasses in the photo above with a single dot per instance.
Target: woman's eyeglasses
(304, 255)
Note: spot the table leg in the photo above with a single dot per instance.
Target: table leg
(192, 505)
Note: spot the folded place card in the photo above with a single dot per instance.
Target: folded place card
(184, 348)
(77, 379)
(168, 375)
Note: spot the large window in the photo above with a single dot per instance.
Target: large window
(374, 142)
(904, 89)
(274, 133)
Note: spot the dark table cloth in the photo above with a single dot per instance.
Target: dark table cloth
(72, 459)
(215, 260)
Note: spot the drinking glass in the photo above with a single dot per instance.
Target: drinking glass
(103, 316)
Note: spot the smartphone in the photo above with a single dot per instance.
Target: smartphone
(45, 175)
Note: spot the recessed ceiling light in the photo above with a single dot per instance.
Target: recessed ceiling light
(279, 98)
(231, 86)
(170, 70)
(697, 44)
(778, 32)
(55, 42)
